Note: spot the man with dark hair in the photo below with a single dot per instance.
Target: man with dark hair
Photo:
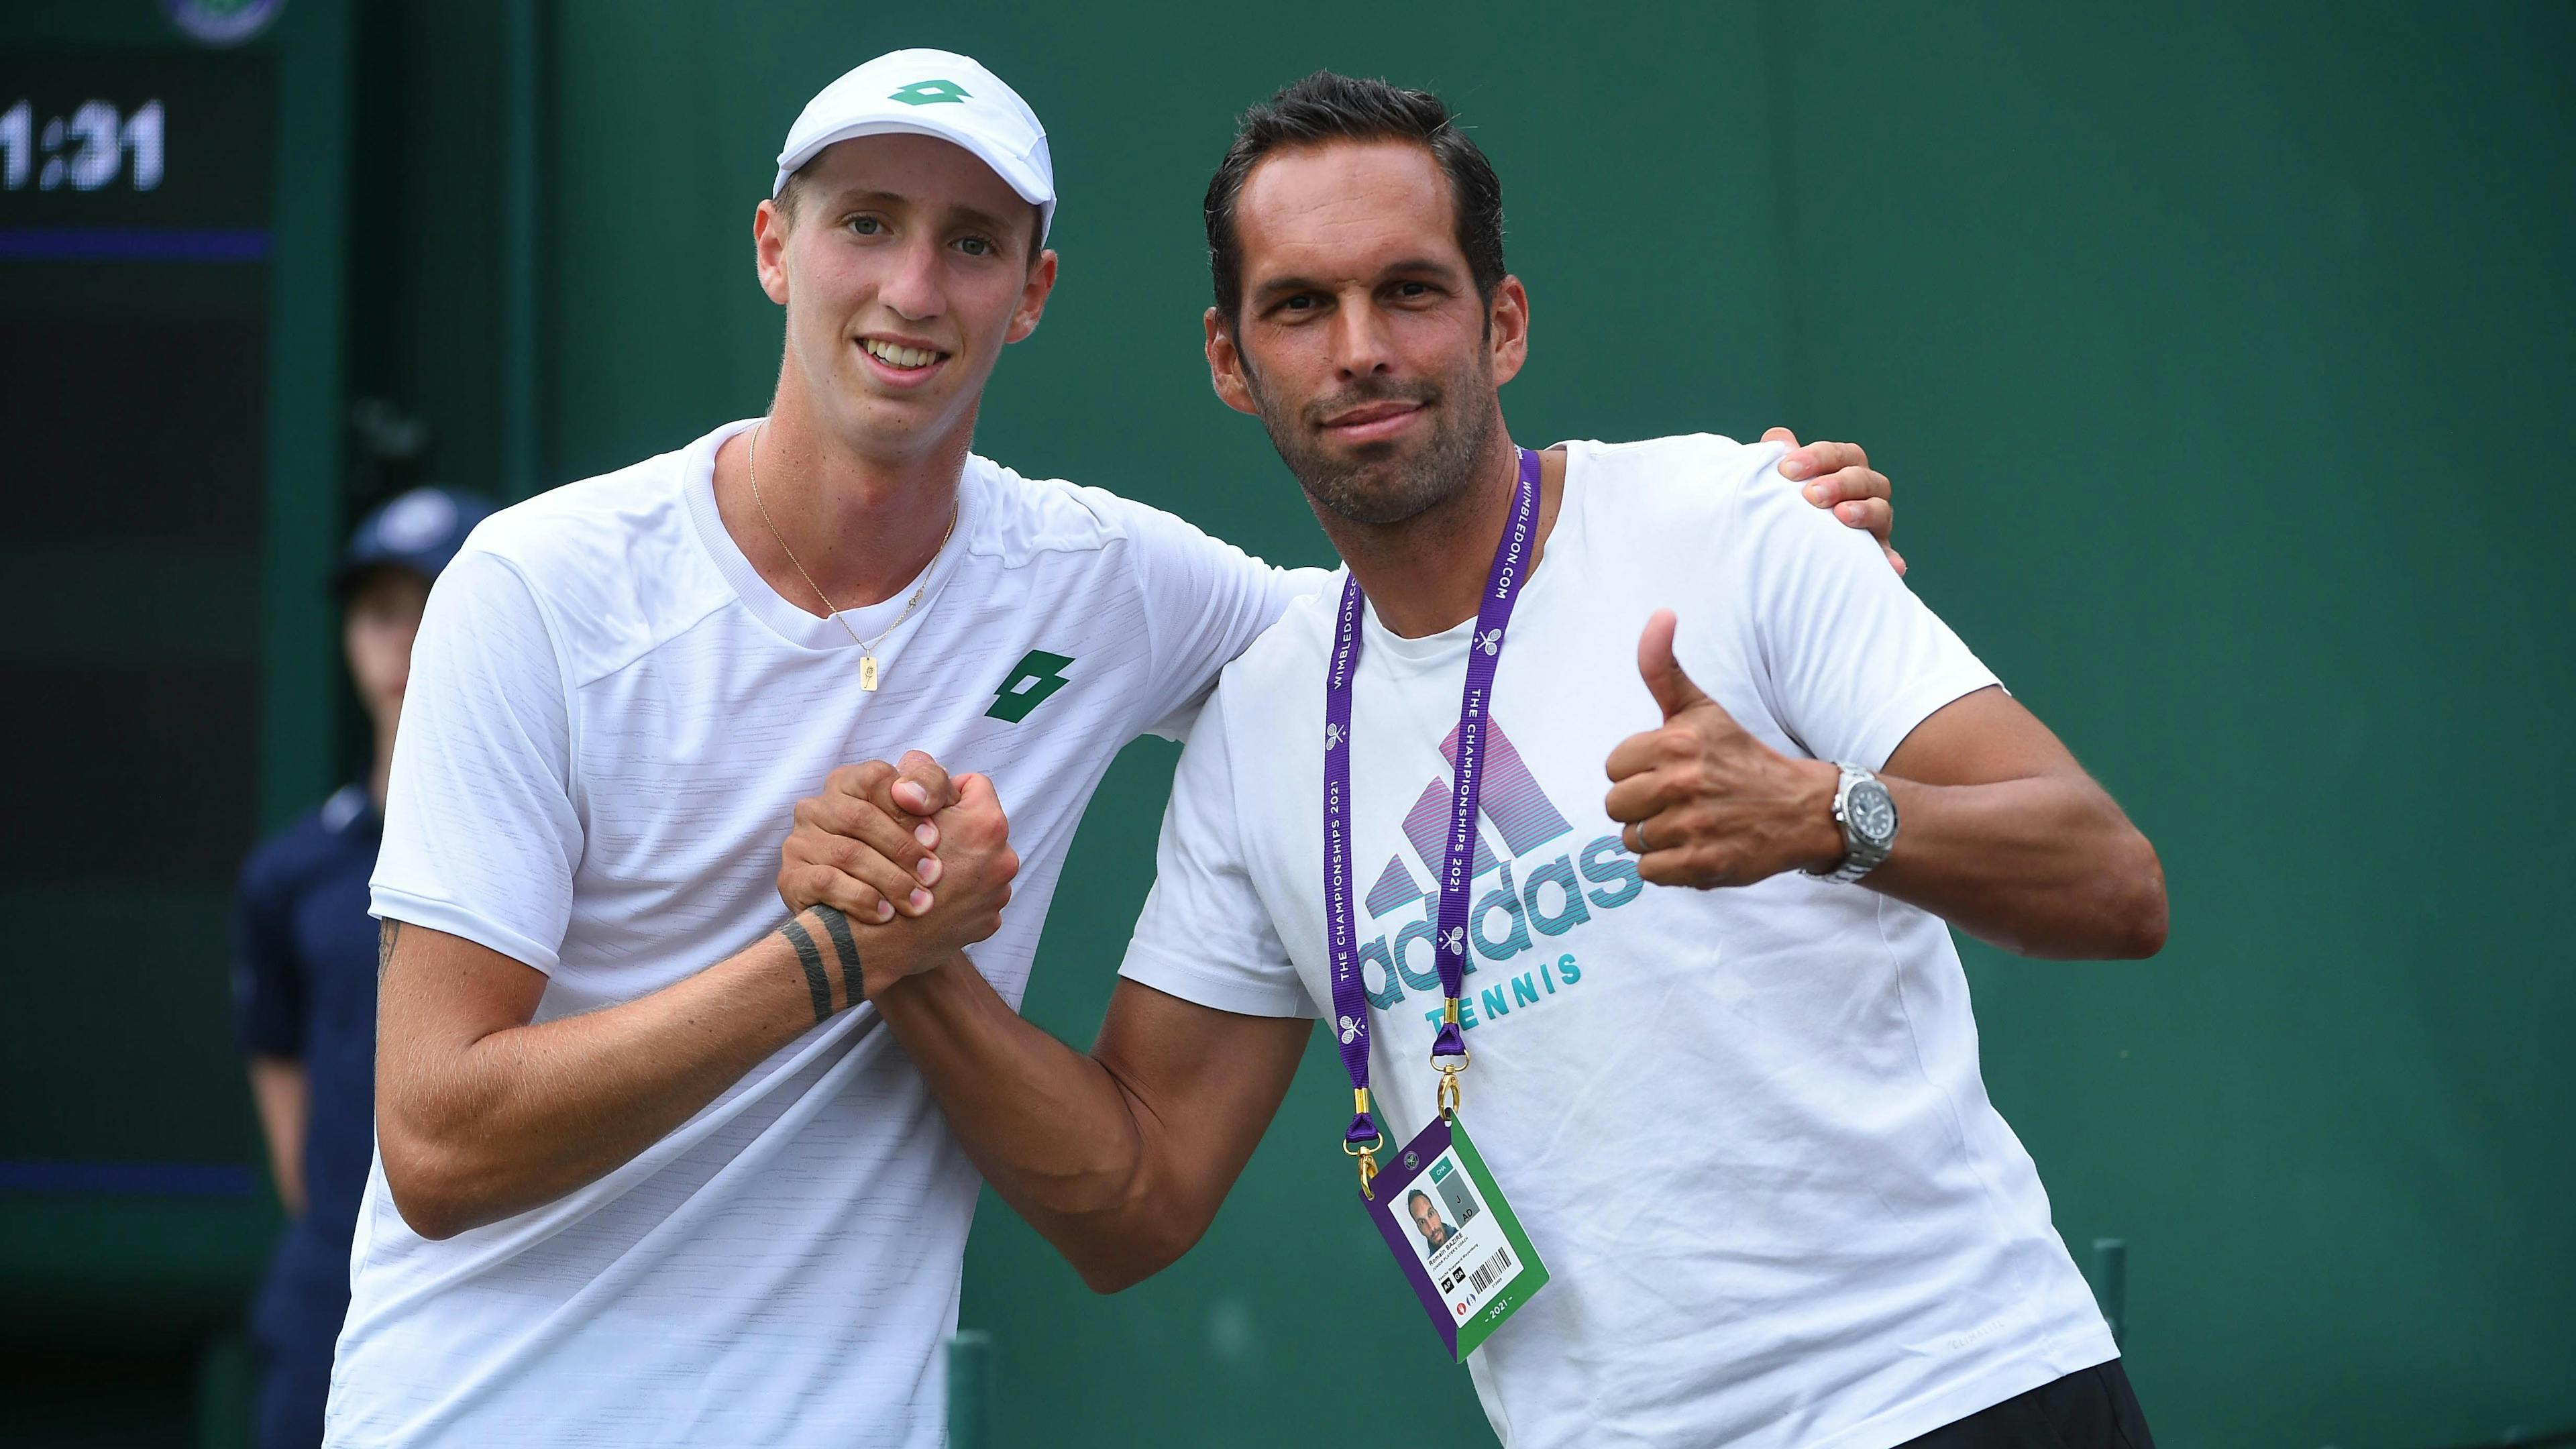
(1724, 1063)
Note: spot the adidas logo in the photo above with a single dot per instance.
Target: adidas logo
(1527, 904)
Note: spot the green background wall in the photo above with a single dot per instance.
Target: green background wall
(2220, 355)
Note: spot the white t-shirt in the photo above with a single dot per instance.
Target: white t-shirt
(610, 719)
(1744, 1128)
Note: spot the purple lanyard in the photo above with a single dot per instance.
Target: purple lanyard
(1350, 994)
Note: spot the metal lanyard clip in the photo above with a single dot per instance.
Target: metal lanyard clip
(1449, 1058)
(1363, 1140)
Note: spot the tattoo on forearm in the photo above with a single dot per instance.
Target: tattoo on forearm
(810, 956)
(838, 927)
(385, 947)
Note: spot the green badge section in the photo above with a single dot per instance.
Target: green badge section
(1037, 676)
(930, 93)
(1533, 1275)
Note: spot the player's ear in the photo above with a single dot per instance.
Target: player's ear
(1033, 296)
(1225, 366)
(1507, 327)
(769, 228)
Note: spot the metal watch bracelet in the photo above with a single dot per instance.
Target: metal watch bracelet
(1866, 814)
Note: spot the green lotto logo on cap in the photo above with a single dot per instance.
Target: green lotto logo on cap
(930, 93)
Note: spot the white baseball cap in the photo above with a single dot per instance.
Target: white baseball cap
(931, 93)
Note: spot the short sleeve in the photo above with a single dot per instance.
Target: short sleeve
(1205, 601)
(268, 981)
(1205, 935)
(481, 832)
(1851, 660)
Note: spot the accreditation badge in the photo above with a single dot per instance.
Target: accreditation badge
(1454, 1237)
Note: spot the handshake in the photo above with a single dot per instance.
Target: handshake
(920, 863)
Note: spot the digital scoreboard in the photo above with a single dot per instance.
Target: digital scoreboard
(135, 203)
(153, 139)
(173, 215)
(85, 150)
(137, 290)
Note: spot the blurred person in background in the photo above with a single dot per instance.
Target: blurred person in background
(304, 977)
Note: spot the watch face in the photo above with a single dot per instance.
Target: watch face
(1872, 812)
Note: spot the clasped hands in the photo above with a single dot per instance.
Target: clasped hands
(919, 861)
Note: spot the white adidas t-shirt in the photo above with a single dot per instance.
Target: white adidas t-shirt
(610, 719)
(1744, 1128)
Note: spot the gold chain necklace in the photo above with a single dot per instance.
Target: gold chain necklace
(867, 647)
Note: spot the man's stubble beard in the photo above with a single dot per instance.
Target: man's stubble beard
(1387, 490)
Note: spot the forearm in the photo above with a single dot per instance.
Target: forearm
(512, 1118)
(282, 1092)
(1053, 1130)
(2046, 866)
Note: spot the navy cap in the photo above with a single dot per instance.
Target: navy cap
(420, 530)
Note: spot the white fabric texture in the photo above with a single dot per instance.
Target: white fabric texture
(1745, 1129)
(609, 720)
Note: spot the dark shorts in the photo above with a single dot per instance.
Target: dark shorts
(2088, 1409)
(294, 1385)
(296, 1323)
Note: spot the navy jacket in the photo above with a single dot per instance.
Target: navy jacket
(304, 986)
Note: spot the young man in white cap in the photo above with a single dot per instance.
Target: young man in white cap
(648, 1171)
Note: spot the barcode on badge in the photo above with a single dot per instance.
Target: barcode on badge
(1495, 1267)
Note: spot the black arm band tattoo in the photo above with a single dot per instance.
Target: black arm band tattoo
(810, 957)
(838, 927)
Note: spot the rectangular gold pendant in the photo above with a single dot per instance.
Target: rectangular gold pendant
(868, 672)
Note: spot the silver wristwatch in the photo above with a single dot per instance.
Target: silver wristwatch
(1867, 815)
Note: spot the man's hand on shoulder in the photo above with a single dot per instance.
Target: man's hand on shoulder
(1702, 801)
(1838, 476)
(937, 847)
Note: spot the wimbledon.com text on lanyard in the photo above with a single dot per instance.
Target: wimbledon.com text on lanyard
(1455, 1237)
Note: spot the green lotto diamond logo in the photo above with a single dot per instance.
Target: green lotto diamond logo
(1037, 675)
(930, 93)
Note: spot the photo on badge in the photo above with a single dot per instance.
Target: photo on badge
(1435, 1210)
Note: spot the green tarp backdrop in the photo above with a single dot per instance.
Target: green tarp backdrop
(2220, 354)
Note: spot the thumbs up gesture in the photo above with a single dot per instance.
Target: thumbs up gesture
(1703, 802)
